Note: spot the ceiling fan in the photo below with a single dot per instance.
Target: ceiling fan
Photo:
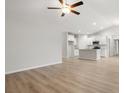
(66, 8)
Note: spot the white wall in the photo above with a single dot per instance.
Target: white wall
(31, 39)
(108, 32)
(64, 44)
(84, 41)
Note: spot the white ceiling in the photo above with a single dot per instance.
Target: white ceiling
(101, 13)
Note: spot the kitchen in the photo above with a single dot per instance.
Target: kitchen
(94, 46)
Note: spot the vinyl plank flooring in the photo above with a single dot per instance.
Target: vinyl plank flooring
(72, 76)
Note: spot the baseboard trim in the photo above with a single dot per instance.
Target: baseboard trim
(29, 68)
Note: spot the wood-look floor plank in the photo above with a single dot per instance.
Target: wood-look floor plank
(72, 76)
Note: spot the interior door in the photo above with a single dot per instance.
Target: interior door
(117, 47)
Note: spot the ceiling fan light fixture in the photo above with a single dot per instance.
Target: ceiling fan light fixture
(66, 10)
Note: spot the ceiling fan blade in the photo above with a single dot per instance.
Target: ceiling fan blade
(54, 8)
(61, 1)
(62, 14)
(75, 12)
(77, 4)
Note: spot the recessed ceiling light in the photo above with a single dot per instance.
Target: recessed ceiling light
(79, 31)
(85, 36)
(94, 23)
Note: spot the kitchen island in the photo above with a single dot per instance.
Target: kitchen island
(91, 54)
